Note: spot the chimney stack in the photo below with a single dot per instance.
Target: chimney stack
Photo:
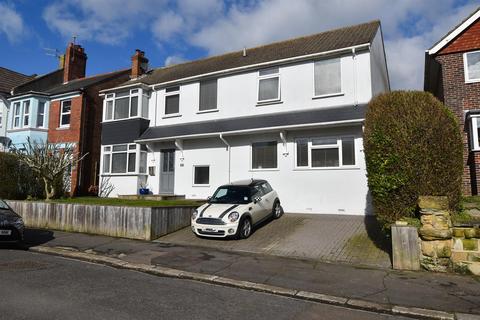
(75, 62)
(139, 64)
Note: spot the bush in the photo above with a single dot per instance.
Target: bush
(413, 147)
(16, 180)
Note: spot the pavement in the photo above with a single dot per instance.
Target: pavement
(331, 238)
(358, 287)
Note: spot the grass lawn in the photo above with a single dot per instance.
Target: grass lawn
(127, 202)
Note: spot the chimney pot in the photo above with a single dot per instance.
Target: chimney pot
(139, 64)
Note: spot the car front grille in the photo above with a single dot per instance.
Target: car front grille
(211, 221)
(211, 233)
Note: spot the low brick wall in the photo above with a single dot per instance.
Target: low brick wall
(126, 222)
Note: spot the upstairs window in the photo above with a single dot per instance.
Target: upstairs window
(41, 115)
(264, 155)
(472, 66)
(268, 85)
(327, 77)
(172, 100)
(325, 152)
(16, 115)
(208, 95)
(65, 111)
(26, 113)
(125, 104)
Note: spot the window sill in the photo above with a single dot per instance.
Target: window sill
(168, 116)
(472, 80)
(200, 185)
(330, 95)
(63, 128)
(207, 111)
(262, 170)
(123, 119)
(123, 174)
(326, 168)
(267, 103)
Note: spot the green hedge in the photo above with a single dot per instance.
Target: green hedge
(16, 180)
(413, 147)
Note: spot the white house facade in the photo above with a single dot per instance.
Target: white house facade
(291, 112)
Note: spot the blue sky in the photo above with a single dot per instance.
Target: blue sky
(175, 31)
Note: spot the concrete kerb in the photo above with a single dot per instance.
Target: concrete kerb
(302, 295)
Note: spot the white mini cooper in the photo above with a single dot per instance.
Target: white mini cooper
(234, 209)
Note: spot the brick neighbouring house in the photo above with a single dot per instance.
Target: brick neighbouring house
(452, 74)
(75, 114)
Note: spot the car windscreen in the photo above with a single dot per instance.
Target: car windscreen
(3, 205)
(232, 194)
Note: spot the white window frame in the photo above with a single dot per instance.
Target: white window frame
(193, 175)
(167, 94)
(338, 144)
(465, 67)
(17, 106)
(43, 114)
(26, 115)
(251, 156)
(327, 95)
(61, 125)
(138, 151)
(474, 145)
(136, 92)
(265, 77)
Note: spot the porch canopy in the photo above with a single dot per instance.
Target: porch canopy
(344, 115)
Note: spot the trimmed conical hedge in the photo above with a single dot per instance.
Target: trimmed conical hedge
(413, 147)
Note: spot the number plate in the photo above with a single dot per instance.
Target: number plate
(5, 232)
(210, 230)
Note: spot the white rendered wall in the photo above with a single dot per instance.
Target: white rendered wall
(378, 66)
(3, 122)
(327, 190)
(237, 94)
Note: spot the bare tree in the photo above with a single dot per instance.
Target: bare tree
(106, 187)
(50, 161)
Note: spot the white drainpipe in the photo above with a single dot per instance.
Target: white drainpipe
(229, 155)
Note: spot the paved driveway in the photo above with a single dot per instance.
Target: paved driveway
(335, 238)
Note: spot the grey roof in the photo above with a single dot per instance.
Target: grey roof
(321, 42)
(82, 83)
(10, 79)
(40, 84)
(255, 122)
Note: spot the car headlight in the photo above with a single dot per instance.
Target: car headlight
(233, 216)
(194, 214)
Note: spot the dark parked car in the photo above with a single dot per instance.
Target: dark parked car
(11, 225)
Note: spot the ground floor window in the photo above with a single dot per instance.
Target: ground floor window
(325, 152)
(475, 132)
(201, 175)
(264, 155)
(122, 158)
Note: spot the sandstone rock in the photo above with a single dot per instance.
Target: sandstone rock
(434, 234)
(477, 232)
(428, 248)
(432, 264)
(431, 202)
(469, 233)
(470, 244)
(473, 256)
(458, 232)
(457, 244)
(459, 256)
(474, 268)
(437, 248)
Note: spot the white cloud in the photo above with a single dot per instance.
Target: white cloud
(11, 23)
(171, 60)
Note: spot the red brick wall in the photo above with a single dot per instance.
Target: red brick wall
(461, 97)
(466, 41)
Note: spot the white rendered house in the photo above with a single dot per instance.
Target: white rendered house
(290, 112)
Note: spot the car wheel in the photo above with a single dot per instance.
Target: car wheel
(245, 229)
(277, 210)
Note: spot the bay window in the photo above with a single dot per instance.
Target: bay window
(126, 104)
(122, 159)
(471, 62)
(26, 113)
(268, 85)
(16, 115)
(327, 77)
(325, 152)
(41, 115)
(264, 155)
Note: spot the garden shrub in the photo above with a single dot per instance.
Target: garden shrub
(413, 147)
(16, 180)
